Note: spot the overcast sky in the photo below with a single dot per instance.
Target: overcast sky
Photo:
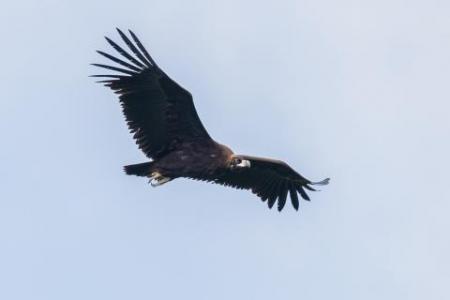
(353, 90)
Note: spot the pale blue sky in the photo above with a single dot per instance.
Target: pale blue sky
(353, 90)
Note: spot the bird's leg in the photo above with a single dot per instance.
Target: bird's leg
(157, 179)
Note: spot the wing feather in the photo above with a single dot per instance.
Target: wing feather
(274, 195)
(269, 179)
(141, 47)
(266, 189)
(294, 197)
(115, 69)
(303, 193)
(283, 195)
(119, 61)
(124, 53)
(133, 48)
(159, 112)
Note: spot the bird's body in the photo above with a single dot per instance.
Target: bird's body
(198, 159)
(162, 116)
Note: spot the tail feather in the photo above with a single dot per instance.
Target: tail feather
(143, 169)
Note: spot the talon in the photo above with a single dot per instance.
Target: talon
(155, 175)
(158, 182)
(158, 179)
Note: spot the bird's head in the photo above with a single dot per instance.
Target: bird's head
(238, 162)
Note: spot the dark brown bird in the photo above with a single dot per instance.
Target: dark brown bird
(166, 127)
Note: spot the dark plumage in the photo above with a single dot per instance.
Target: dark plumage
(166, 127)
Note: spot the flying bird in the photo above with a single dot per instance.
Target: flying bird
(162, 116)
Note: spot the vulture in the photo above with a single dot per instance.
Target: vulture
(162, 118)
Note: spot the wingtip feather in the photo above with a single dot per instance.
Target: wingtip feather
(322, 182)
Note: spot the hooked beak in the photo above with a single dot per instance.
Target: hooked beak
(244, 164)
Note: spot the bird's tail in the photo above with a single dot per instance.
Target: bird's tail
(143, 169)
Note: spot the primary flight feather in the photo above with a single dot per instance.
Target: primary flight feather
(166, 127)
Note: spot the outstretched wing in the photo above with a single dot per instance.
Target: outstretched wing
(270, 180)
(159, 112)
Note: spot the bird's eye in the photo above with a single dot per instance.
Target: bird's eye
(237, 161)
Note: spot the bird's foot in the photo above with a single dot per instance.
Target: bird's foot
(158, 179)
